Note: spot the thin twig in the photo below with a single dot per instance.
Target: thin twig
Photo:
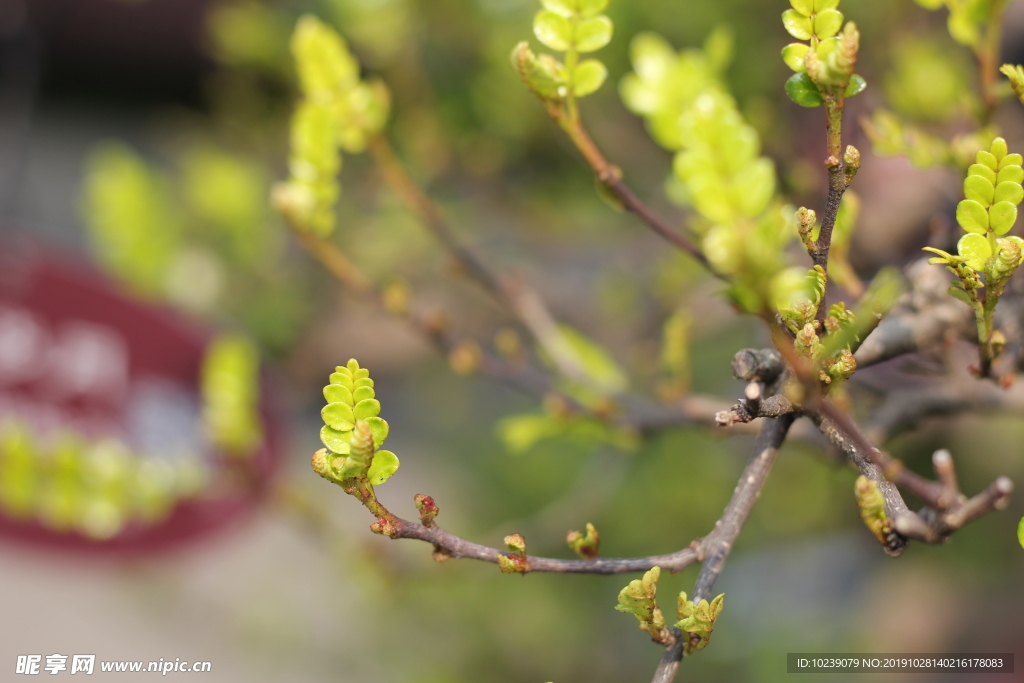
(945, 510)
(610, 176)
(525, 304)
(456, 547)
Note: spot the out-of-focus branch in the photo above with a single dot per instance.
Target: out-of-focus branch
(525, 304)
(610, 177)
(920, 320)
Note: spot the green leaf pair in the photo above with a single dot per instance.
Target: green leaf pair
(574, 27)
(353, 432)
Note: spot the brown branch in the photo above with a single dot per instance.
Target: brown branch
(714, 548)
(669, 665)
(525, 305)
(717, 545)
(944, 511)
(758, 365)
(456, 547)
(610, 177)
(753, 407)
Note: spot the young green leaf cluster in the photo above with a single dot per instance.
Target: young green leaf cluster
(824, 65)
(516, 561)
(718, 167)
(638, 599)
(798, 295)
(992, 191)
(892, 136)
(1015, 74)
(338, 111)
(586, 545)
(353, 432)
(574, 27)
(229, 382)
(698, 620)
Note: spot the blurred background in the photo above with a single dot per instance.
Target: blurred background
(138, 144)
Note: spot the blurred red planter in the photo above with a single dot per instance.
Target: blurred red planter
(78, 356)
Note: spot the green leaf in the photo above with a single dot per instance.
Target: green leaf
(802, 90)
(335, 393)
(1008, 191)
(341, 379)
(1020, 532)
(361, 394)
(754, 187)
(960, 294)
(564, 7)
(998, 148)
(988, 159)
(856, 85)
(590, 75)
(975, 248)
(1002, 216)
(367, 408)
(384, 464)
(519, 433)
(983, 171)
(1011, 160)
(379, 428)
(335, 441)
(589, 8)
(338, 416)
(827, 23)
(1008, 174)
(972, 216)
(804, 7)
(719, 48)
(793, 55)
(593, 34)
(323, 61)
(797, 24)
(598, 365)
(979, 189)
(553, 30)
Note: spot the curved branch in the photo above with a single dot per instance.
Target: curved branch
(448, 545)
(946, 508)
